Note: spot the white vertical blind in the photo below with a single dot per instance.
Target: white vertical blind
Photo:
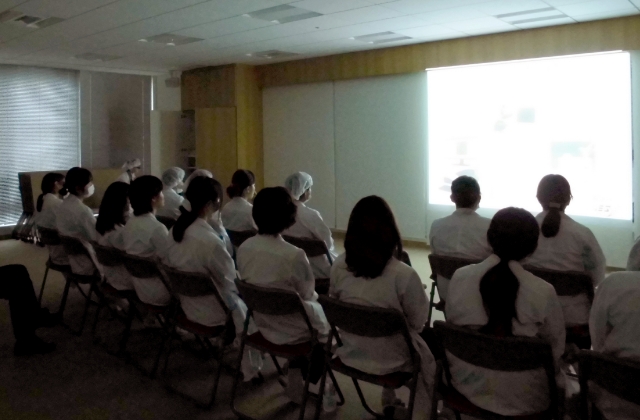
(39, 128)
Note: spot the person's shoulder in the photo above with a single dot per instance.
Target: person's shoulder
(622, 280)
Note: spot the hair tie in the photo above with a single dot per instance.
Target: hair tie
(555, 206)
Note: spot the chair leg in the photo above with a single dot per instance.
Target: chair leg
(323, 381)
(305, 397)
(341, 399)
(86, 309)
(412, 396)
(216, 380)
(44, 281)
(236, 382)
(364, 401)
(166, 337)
(127, 330)
(431, 304)
(63, 299)
(95, 319)
(275, 362)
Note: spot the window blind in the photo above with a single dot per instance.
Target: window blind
(39, 128)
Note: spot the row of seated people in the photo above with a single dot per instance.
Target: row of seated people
(497, 296)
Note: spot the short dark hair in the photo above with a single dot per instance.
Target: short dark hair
(465, 191)
(274, 210)
(47, 185)
(77, 178)
(112, 207)
(200, 192)
(241, 180)
(142, 191)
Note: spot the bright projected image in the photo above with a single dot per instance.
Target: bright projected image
(509, 124)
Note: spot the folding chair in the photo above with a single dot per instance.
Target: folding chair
(199, 285)
(570, 283)
(367, 321)
(75, 247)
(49, 237)
(167, 221)
(313, 248)
(238, 237)
(273, 302)
(617, 376)
(444, 266)
(510, 354)
(147, 269)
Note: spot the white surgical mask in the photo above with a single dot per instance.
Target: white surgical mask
(90, 191)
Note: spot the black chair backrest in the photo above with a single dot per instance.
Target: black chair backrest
(108, 256)
(140, 267)
(312, 247)
(446, 266)
(618, 376)
(167, 221)
(192, 284)
(238, 237)
(74, 246)
(49, 236)
(566, 283)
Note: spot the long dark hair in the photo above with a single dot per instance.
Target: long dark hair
(47, 185)
(554, 193)
(240, 181)
(372, 238)
(274, 211)
(113, 207)
(142, 192)
(201, 191)
(513, 235)
(77, 178)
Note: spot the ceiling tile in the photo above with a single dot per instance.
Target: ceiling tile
(330, 6)
(595, 6)
(636, 3)
(431, 32)
(480, 25)
(543, 23)
(61, 8)
(9, 4)
(498, 7)
(9, 31)
(450, 15)
(422, 6)
(224, 27)
(366, 14)
(606, 15)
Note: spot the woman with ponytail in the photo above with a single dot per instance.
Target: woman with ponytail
(46, 205)
(499, 297)
(236, 214)
(566, 245)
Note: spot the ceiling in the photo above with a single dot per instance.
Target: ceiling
(106, 34)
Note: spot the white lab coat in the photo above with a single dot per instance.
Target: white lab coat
(46, 218)
(633, 262)
(237, 215)
(145, 236)
(202, 251)
(75, 219)
(118, 276)
(216, 223)
(539, 314)
(172, 203)
(398, 287)
(574, 248)
(463, 234)
(272, 262)
(124, 177)
(309, 224)
(615, 330)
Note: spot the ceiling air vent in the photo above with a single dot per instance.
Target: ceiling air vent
(533, 15)
(171, 40)
(96, 57)
(282, 14)
(37, 22)
(273, 54)
(381, 37)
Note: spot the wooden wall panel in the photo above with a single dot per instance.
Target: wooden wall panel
(208, 87)
(216, 146)
(596, 36)
(249, 115)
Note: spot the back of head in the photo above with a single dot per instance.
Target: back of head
(172, 177)
(372, 237)
(141, 193)
(554, 193)
(202, 191)
(195, 174)
(274, 211)
(513, 235)
(77, 179)
(47, 186)
(465, 192)
(241, 180)
(113, 207)
(131, 164)
(298, 183)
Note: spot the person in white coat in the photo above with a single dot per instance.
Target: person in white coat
(370, 273)
(130, 171)
(614, 325)
(268, 260)
(633, 262)
(237, 213)
(145, 236)
(462, 234)
(566, 245)
(114, 212)
(499, 297)
(195, 247)
(309, 223)
(75, 219)
(172, 181)
(46, 207)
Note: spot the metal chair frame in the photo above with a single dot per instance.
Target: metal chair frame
(49, 237)
(313, 247)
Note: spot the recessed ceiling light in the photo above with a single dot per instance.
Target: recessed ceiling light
(171, 40)
(143, 40)
(273, 54)
(283, 13)
(249, 55)
(381, 37)
(352, 37)
(275, 21)
(171, 44)
(246, 15)
(96, 57)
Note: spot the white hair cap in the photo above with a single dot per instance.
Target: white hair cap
(195, 174)
(298, 183)
(131, 164)
(172, 177)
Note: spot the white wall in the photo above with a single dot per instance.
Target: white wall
(166, 99)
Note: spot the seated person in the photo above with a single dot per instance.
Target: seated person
(75, 219)
(369, 273)
(615, 330)
(145, 236)
(499, 297)
(195, 247)
(114, 212)
(172, 181)
(633, 262)
(566, 245)
(268, 260)
(309, 223)
(130, 171)
(236, 214)
(52, 185)
(462, 234)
